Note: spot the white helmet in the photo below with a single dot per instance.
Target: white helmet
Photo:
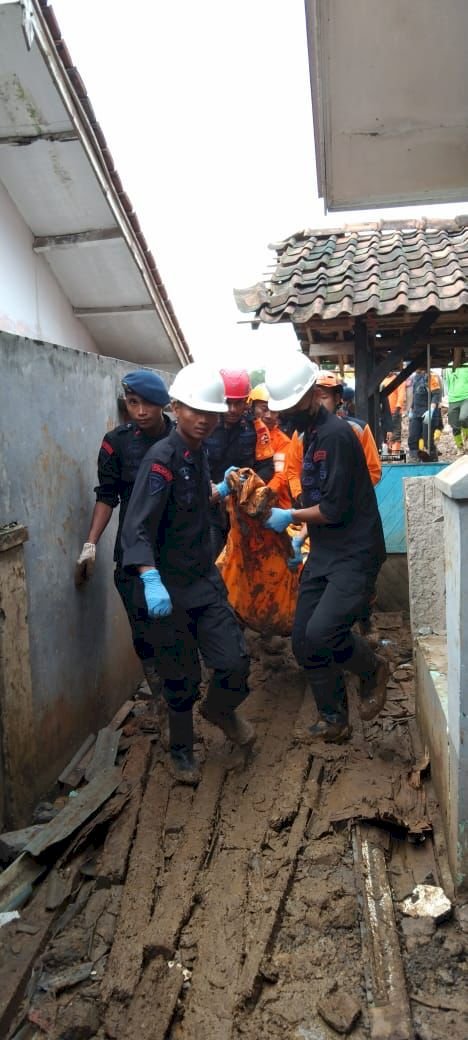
(288, 379)
(200, 388)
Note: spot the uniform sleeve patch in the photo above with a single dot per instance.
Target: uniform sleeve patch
(319, 456)
(157, 467)
(107, 447)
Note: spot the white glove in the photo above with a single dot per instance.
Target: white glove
(84, 566)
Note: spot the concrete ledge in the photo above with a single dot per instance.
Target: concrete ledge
(449, 773)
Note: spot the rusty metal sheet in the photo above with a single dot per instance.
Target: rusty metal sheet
(77, 811)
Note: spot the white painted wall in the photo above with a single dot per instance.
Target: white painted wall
(32, 304)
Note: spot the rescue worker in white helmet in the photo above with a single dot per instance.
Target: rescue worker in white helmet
(345, 530)
(166, 549)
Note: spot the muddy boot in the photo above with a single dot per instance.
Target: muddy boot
(181, 760)
(331, 732)
(232, 724)
(155, 685)
(373, 690)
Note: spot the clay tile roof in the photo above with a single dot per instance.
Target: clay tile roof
(380, 267)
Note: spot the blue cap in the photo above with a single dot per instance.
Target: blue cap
(348, 393)
(148, 385)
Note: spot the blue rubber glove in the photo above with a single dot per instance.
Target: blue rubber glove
(279, 520)
(157, 597)
(223, 488)
(296, 560)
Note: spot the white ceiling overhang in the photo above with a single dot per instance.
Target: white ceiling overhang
(56, 167)
(389, 88)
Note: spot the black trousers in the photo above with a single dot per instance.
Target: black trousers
(322, 640)
(418, 428)
(174, 643)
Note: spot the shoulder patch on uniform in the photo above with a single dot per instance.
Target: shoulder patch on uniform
(107, 447)
(319, 456)
(163, 471)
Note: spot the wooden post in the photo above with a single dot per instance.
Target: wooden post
(16, 712)
(361, 370)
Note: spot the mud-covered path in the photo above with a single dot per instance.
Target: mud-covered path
(232, 910)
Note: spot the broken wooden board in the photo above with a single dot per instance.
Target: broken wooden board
(112, 866)
(70, 776)
(146, 863)
(119, 718)
(284, 871)
(105, 751)
(389, 1008)
(173, 906)
(13, 843)
(76, 812)
(15, 971)
(374, 789)
(16, 882)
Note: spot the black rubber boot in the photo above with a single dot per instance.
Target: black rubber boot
(330, 732)
(182, 763)
(329, 692)
(156, 687)
(373, 672)
(152, 677)
(219, 708)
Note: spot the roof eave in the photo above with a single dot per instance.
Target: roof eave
(36, 15)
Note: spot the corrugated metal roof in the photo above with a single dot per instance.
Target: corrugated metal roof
(57, 167)
(380, 268)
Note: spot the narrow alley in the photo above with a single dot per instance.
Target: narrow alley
(266, 902)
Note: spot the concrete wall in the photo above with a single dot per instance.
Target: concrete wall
(31, 301)
(55, 406)
(425, 552)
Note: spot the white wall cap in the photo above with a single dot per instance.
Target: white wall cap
(453, 481)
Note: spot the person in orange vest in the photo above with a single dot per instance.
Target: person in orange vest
(238, 440)
(397, 404)
(280, 442)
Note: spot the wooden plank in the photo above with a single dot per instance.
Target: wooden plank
(113, 861)
(389, 1008)
(286, 868)
(76, 812)
(15, 971)
(152, 1010)
(16, 882)
(121, 714)
(12, 843)
(71, 770)
(146, 865)
(174, 905)
(105, 751)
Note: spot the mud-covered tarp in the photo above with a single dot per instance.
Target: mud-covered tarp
(254, 563)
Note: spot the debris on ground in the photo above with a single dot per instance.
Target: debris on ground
(264, 903)
(427, 901)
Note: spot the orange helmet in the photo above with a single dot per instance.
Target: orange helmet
(236, 383)
(329, 380)
(259, 393)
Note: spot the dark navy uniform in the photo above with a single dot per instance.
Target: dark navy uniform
(417, 427)
(167, 527)
(119, 459)
(244, 444)
(346, 555)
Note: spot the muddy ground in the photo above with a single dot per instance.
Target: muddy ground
(231, 910)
